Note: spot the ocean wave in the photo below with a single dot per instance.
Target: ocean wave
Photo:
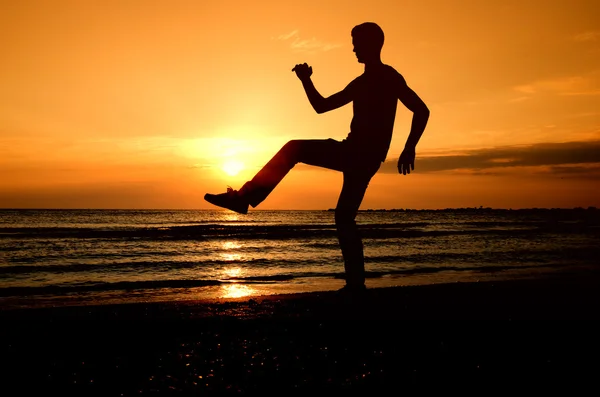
(277, 232)
(160, 265)
(136, 285)
(149, 266)
(173, 284)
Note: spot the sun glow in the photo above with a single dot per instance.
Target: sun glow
(233, 167)
(236, 291)
(232, 272)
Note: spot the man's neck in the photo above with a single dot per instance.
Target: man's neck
(372, 65)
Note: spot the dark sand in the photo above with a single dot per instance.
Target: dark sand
(522, 336)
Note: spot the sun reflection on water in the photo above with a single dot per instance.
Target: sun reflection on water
(232, 272)
(229, 216)
(236, 291)
(229, 245)
(231, 257)
(233, 289)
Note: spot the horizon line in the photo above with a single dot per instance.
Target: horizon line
(578, 208)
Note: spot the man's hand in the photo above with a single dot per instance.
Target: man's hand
(406, 162)
(303, 71)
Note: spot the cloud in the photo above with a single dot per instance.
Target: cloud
(519, 99)
(200, 166)
(305, 45)
(572, 157)
(591, 171)
(586, 85)
(587, 36)
(525, 89)
(584, 114)
(582, 93)
(283, 37)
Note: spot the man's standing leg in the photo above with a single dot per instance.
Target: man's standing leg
(353, 191)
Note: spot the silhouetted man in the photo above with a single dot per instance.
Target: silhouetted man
(374, 96)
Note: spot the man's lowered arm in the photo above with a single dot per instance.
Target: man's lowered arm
(411, 100)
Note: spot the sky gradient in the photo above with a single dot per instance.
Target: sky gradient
(136, 104)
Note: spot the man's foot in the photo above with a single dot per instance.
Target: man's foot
(353, 290)
(232, 200)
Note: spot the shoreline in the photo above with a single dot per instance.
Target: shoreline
(562, 283)
(235, 291)
(540, 333)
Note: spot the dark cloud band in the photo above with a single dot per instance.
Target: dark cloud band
(543, 154)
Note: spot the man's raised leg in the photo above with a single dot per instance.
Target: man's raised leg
(325, 153)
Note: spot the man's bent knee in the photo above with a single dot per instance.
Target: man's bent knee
(293, 145)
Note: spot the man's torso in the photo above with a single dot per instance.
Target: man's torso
(374, 103)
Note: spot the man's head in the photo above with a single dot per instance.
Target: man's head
(367, 39)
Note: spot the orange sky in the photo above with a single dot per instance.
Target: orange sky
(138, 104)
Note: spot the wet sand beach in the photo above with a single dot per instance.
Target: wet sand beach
(520, 335)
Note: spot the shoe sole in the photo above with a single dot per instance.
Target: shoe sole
(239, 211)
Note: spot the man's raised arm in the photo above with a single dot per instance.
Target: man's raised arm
(411, 100)
(318, 102)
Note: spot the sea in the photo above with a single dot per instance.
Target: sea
(54, 258)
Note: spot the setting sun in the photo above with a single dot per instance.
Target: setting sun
(233, 167)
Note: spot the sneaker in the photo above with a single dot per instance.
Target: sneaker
(230, 200)
(352, 289)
